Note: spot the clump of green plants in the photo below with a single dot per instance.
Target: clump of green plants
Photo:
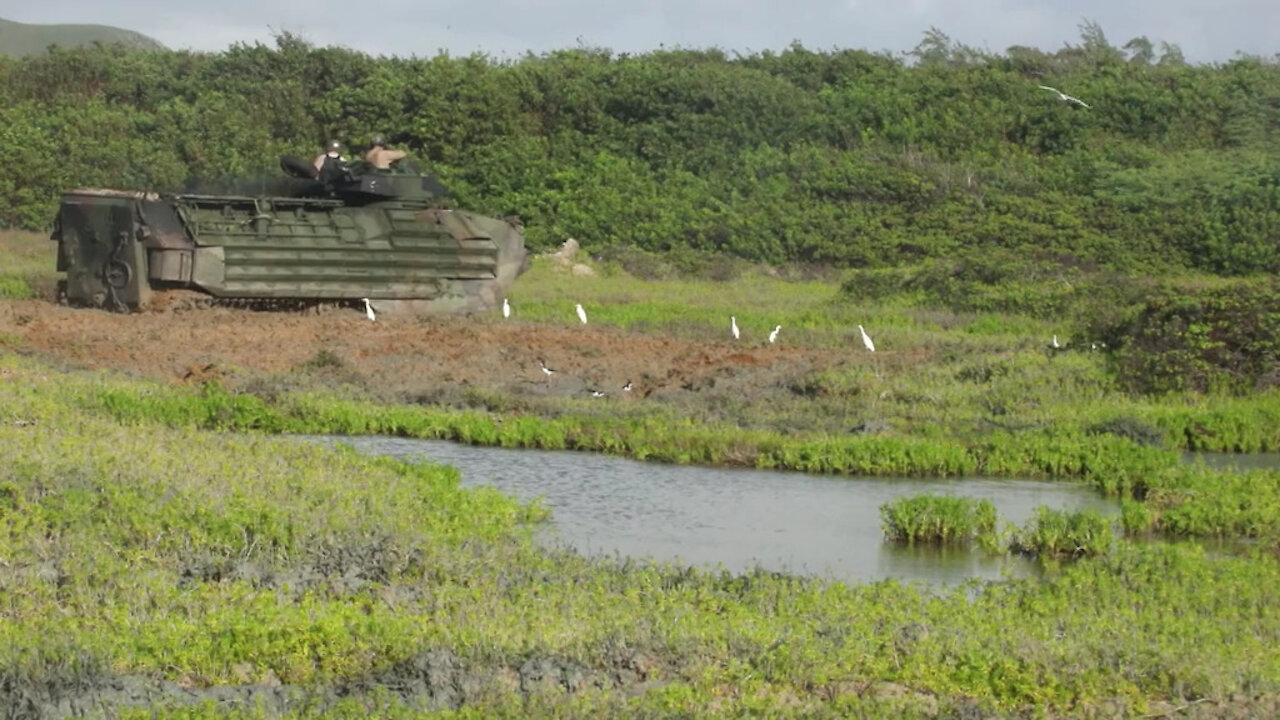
(1053, 534)
(14, 287)
(942, 519)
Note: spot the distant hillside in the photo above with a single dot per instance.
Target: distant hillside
(18, 39)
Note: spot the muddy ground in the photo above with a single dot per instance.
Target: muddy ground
(397, 358)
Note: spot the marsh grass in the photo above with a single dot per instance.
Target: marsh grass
(140, 548)
(1054, 533)
(940, 519)
(1181, 499)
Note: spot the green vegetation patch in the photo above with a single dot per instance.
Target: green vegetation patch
(938, 519)
(1216, 338)
(1053, 533)
(831, 158)
(1115, 465)
(149, 564)
(28, 265)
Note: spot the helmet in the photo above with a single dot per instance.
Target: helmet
(377, 140)
(333, 146)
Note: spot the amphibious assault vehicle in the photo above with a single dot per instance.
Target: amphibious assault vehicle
(345, 235)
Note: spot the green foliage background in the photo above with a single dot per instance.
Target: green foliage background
(840, 157)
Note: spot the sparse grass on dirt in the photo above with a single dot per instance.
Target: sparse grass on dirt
(28, 268)
(145, 564)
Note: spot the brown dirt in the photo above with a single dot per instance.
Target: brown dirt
(394, 356)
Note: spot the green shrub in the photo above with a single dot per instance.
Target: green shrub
(1054, 533)
(937, 519)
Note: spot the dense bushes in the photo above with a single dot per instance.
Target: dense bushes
(1219, 338)
(841, 157)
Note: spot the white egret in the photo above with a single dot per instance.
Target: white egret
(866, 339)
(733, 326)
(1065, 97)
(774, 335)
(582, 314)
(1055, 342)
(506, 308)
(368, 310)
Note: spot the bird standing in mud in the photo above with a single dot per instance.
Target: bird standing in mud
(506, 308)
(368, 310)
(733, 326)
(866, 340)
(582, 314)
(774, 335)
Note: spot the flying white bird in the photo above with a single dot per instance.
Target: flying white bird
(506, 308)
(733, 326)
(368, 310)
(582, 314)
(1065, 97)
(866, 339)
(774, 335)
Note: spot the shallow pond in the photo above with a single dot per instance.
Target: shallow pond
(738, 519)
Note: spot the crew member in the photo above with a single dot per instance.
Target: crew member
(332, 150)
(379, 156)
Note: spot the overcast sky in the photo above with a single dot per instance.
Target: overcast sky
(1207, 30)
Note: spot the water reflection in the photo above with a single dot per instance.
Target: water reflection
(736, 519)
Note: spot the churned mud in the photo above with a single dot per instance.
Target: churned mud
(404, 358)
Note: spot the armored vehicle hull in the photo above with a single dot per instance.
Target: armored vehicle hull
(376, 235)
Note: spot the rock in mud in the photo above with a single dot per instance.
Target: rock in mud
(563, 257)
